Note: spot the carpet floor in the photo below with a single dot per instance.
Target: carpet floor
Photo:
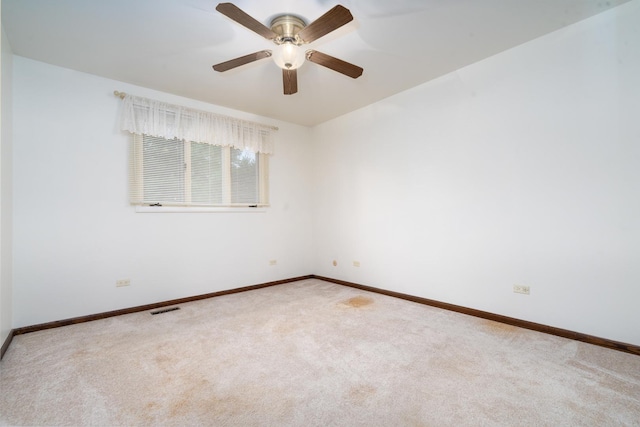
(312, 353)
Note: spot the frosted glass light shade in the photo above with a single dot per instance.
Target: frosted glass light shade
(288, 56)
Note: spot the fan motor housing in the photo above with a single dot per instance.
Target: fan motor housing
(287, 26)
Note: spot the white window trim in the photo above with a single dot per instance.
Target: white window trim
(191, 209)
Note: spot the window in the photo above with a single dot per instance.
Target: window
(171, 172)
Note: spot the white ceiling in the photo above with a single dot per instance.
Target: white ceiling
(170, 45)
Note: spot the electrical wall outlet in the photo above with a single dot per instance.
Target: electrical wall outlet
(356, 263)
(521, 289)
(273, 262)
(123, 282)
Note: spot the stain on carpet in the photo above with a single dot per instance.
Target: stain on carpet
(285, 328)
(357, 302)
(360, 393)
(499, 327)
(460, 368)
(80, 354)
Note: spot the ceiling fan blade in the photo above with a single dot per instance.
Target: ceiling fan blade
(232, 11)
(335, 64)
(290, 81)
(332, 20)
(233, 63)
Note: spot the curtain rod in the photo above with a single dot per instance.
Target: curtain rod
(121, 95)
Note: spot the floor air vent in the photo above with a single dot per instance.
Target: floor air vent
(165, 310)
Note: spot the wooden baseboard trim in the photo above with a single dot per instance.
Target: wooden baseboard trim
(91, 317)
(602, 342)
(6, 343)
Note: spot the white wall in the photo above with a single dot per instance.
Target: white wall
(6, 66)
(75, 233)
(520, 169)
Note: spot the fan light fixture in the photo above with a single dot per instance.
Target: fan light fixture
(288, 56)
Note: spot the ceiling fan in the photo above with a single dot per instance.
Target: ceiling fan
(289, 33)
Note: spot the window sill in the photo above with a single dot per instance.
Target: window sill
(195, 209)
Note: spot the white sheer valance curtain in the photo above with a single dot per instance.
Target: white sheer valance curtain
(145, 116)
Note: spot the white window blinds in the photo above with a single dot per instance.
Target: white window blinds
(175, 173)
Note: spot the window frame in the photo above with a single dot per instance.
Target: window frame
(136, 183)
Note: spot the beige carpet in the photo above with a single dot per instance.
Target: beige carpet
(312, 353)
